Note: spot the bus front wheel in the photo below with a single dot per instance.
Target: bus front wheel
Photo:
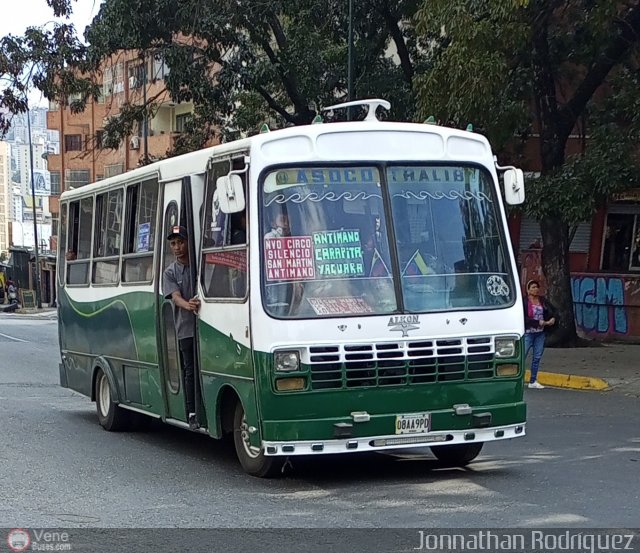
(252, 459)
(457, 455)
(110, 416)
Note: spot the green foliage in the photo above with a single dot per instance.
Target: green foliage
(515, 67)
(239, 61)
(573, 192)
(478, 72)
(50, 59)
(248, 61)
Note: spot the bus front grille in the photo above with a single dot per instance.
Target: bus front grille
(400, 363)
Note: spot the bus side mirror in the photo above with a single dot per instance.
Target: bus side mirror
(230, 193)
(514, 186)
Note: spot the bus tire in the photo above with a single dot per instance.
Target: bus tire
(458, 455)
(110, 416)
(253, 461)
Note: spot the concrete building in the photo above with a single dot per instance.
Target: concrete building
(82, 158)
(5, 194)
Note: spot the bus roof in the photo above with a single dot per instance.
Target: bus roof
(196, 162)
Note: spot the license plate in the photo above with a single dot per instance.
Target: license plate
(416, 423)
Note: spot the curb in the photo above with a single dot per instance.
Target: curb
(575, 382)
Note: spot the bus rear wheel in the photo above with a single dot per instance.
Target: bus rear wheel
(458, 455)
(252, 459)
(110, 416)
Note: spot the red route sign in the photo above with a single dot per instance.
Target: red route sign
(289, 258)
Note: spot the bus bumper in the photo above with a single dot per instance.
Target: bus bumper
(395, 441)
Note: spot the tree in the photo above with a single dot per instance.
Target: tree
(244, 62)
(519, 67)
(50, 59)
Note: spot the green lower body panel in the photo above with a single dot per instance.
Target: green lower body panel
(383, 425)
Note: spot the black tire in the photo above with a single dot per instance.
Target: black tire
(110, 416)
(254, 462)
(457, 455)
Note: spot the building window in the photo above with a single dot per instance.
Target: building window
(99, 139)
(55, 183)
(72, 142)
(160, 67)
(76, 178)
(181, 121)
(621, 247)
(107, 82)
(113, 170)
(136, 76)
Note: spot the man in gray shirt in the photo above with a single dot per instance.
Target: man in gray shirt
(177, 285)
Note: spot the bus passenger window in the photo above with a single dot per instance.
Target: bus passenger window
(79, 247)
(224, 257)
(140, 233)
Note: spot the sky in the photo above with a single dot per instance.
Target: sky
(36, 12)
(27, 13)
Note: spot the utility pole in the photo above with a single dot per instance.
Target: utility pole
(35, 217)
(350, 60)
(145, 123)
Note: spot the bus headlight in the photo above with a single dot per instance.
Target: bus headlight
(510, 369)
(505, 347)
(286, 361)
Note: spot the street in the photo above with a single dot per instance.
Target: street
(578, 466)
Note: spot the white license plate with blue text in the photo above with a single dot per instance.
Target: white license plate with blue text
(415, 423)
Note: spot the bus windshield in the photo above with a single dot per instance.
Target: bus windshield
(328, 248)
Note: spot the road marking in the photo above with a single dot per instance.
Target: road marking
(12, 338)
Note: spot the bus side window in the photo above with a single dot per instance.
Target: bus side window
(79, 249)
(140, 233)
(62, 245)
(224, 273)
(106, 247)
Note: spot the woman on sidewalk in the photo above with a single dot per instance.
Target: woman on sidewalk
(538, 315)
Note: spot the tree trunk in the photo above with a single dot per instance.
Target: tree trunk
(555, 265)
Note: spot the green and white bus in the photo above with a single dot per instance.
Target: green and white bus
(358, 292)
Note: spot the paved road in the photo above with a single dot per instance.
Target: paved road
(577, 467)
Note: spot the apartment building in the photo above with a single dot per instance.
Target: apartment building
(126, 78)
(5, 194)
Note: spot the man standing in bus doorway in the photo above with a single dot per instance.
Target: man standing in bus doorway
(177, 285)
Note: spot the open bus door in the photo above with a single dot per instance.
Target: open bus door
(167, 339)
(178, 209)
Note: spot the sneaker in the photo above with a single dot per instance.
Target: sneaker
(536, 385)
(193, 422)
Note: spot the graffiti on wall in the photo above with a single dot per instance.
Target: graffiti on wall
(599, 304)
(607, 306)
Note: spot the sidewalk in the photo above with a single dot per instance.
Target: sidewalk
(44, 313)
(603, 367)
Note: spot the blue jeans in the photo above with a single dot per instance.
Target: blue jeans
(534, 340)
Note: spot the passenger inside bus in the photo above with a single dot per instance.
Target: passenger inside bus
(279, 225)
(239, 228)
